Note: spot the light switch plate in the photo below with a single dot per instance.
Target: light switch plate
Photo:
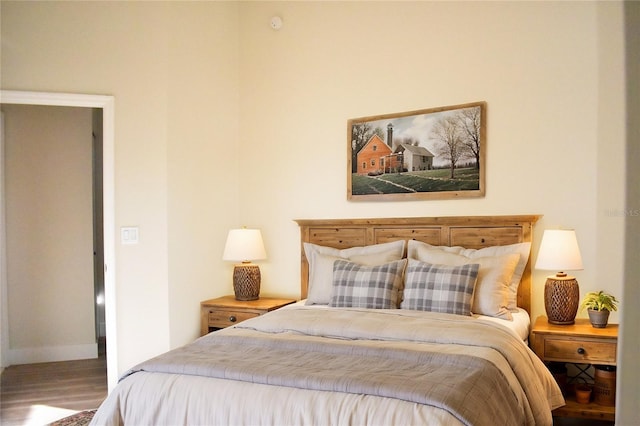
(129, 235)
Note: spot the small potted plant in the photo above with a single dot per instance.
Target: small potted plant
(599, 305)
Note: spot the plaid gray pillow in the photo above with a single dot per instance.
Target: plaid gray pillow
(360, 286)
(439, 288)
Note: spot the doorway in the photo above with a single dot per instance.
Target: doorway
(105, 105)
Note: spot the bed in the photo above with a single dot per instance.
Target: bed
(401, 321)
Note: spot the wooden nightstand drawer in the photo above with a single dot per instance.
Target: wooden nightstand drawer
(580, 351)
(221, 318)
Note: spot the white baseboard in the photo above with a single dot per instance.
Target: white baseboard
(52, 354)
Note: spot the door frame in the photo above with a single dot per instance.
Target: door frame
(107, 104)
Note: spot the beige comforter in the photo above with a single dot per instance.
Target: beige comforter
(338, 366)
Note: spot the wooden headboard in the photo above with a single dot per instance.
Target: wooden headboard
(466, 231)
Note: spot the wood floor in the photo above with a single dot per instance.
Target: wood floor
(37, 394)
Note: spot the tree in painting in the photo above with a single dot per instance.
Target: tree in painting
(470, 122)
(457, 137)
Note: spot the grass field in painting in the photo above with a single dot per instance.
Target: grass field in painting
(467, 179)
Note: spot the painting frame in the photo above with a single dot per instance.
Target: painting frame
(383, 168)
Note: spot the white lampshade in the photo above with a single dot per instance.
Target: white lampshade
(244, 245)
(559, 251)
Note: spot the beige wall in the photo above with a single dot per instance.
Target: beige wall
(202, 157)
(552, 76)
(172, 69)
(49, 222)
(199, 85)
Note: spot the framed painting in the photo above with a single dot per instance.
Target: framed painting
(436, 153)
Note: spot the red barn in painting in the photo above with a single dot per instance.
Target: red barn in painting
(376, 157)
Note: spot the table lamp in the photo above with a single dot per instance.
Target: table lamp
(244, 245)
(559, 251)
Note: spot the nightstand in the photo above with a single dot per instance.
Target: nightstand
(225, 311)
(579, 343)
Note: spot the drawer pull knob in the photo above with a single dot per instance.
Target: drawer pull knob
(581, 351)
(234, 319)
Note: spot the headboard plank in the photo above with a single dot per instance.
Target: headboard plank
(467, 231)
(431, 235)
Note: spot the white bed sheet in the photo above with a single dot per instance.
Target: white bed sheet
(520, 325)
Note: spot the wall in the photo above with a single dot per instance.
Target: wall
(555, 127)
(49, 237)
(197, 85)
(202, 157)
(172, 68)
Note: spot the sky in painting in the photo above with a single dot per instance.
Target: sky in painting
(416, 127)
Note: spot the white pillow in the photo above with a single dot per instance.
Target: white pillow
(321, 258)
(522, 249)
(491, 292)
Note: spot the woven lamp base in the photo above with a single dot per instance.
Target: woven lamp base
(246, 282)
(561, 298)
